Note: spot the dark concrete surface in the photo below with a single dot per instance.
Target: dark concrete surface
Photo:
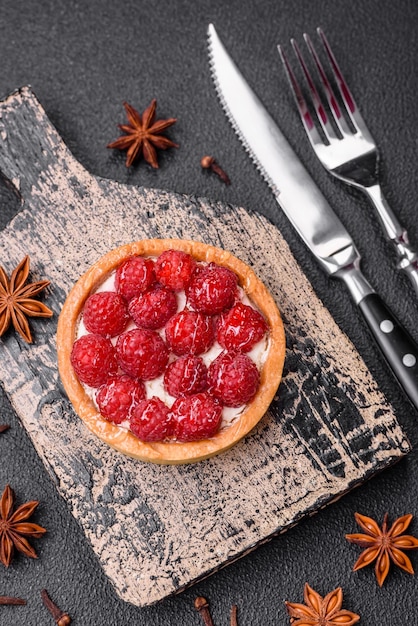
(83, 59)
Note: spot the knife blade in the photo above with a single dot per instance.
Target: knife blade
(309, 211)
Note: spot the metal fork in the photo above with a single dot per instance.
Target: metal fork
(345, 147)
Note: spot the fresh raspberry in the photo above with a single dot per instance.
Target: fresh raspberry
(105, 313)
(189, 332)
(196, 417)
(94, 359)
(118, 396)
(186, 376)
(134, 276)
(141, 353)
(153, 308)
(233, 378)
(212, 289)
(241, 328)
(174, 269)
(151, 420)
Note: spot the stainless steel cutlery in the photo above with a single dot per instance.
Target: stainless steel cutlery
(343, 143)
(309, 212)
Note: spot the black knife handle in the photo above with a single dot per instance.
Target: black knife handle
(397, 346)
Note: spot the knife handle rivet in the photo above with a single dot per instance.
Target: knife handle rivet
(386, 326)
(409, 360)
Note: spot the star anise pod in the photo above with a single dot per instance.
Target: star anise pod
(143, 135)
(383, 544)
(14, 528)
(16, 302)
(321, 611)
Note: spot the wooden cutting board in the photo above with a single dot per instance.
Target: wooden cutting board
(157, 529)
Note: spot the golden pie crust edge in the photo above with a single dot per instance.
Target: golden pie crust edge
(169, 452)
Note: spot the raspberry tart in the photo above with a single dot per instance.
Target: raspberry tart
(170, 350)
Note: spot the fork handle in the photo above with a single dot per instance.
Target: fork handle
(396, 234)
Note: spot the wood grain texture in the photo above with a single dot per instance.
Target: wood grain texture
(157, 529)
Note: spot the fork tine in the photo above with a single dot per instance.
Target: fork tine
(304, 112)
(316, 100)
(343, 88)
(329, 92)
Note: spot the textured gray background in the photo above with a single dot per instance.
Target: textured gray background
(82, 60)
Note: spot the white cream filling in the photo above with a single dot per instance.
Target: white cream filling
(155, 387)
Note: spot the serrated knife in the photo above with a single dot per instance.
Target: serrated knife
(309, 212)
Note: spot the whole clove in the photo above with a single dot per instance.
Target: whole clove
(234, 621)
(202, 605)
(209, 163)
(11, 601)
(61, 618)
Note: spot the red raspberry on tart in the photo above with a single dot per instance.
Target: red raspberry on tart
(118, 397)
(241, 328)
(151, 420)
(105, 313)
(190, 332)
(186, 376)
(173, 385)
(174, 269)
(141, 353)
(233, 378)
(213, 289)
(196, 417)
(134, 276)
(153, 308)
(94, 359)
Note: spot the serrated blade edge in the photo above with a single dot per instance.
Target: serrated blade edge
(293, 187)
(213, 40)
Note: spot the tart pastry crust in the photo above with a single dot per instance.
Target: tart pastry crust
(170, 452)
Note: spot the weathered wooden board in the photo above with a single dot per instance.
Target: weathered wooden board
(157, 529)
